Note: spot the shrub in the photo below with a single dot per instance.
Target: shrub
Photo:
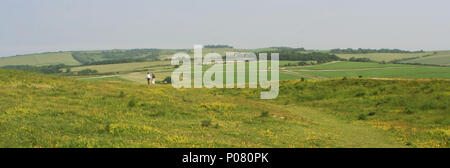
(344, 78)
(264, 113)
(167, 80)
(409, 111)
(362, 117)
(87, 72)
(132, 103)
(122, 94)
(303, 79)
(216, 126)
(206, 123)
(360, 94)
(372, 113)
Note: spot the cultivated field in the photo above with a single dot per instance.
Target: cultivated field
(372, 70)
(440, 58)
(378, 57)
(126, 67)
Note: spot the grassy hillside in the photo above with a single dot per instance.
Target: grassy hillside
(40, 59)
(51, 111)
(416, 111)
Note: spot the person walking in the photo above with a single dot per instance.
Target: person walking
(149, 78)
(153, 78)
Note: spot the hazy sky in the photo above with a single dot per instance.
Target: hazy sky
(29, 26)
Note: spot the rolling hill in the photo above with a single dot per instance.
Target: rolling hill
(40, 59)
(53, 111)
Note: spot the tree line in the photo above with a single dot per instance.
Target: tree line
(217, 46)
(116, 56)
(49, 69)
(298, 54)
(366, 51)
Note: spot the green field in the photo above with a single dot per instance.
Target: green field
(40, 59)
(136, 71)
(126, 67)
(440, 58)
(413, 72)
(378, 57)
(373, 70)
(50, 111)
(346, 65)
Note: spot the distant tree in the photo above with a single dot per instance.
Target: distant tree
(301, 63)
(50, 69)
(353, 59)
(299, 55)
(365, 51)
(218, 46)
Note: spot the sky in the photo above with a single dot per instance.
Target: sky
(31, 26)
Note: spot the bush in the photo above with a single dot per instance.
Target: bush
(301, 63)
(353, 59)
(206, 123)
(122, 94)
(360, 94)
(264, 113)
(216, 126)
(167, 80)
(132, 103)
(87, 72)
(409, 111)
(362, 117)
(50, 69)
(372, 113)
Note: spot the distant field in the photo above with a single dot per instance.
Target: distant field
(139, 77)
(124, 67)
(336, 69)
(441, 58)
(426, 72)
(40, 59)
(347, 65)
(354, 69)
(127, 70)
(383, 56)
